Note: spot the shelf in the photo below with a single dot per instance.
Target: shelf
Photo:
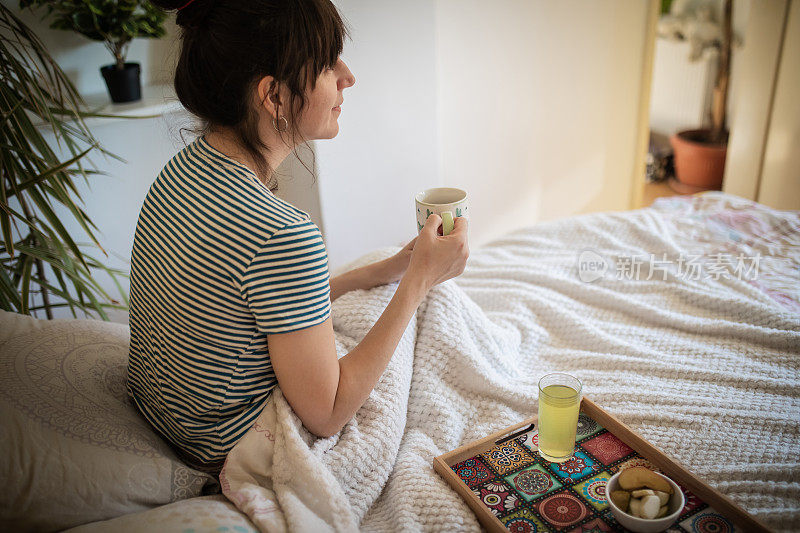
(156, 100)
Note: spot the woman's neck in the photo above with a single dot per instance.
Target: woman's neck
(225, 141)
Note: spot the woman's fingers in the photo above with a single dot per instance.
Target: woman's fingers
(432, 223)
(460, 226)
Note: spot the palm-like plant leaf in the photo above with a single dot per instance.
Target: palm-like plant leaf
(36, 98)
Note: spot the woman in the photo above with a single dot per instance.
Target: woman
(230, 289)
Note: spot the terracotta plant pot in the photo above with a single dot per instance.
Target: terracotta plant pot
(699, 164)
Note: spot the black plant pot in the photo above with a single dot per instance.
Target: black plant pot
(123, 85)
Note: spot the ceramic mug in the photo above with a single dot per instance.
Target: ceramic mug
(447, 202)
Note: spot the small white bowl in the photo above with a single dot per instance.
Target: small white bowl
(643, 525)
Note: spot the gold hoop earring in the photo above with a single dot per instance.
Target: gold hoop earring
(285, 122)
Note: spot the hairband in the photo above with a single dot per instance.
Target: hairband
(186, 4)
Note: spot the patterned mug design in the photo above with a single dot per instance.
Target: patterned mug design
(448, 211)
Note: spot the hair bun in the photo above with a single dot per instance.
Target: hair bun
(189, 14)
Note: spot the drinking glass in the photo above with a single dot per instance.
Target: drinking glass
(559, 403)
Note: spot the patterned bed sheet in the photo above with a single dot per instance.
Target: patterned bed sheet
(738, 237)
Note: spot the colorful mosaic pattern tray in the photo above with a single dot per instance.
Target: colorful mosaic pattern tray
(527, 493)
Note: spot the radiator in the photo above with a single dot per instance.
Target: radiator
(681, 90)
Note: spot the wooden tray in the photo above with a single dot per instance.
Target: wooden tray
(706, 505)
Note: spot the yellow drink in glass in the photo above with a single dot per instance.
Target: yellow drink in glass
(559, 403)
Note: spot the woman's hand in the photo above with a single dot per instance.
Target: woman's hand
(372, 275)
(393, 268)
(436, 258)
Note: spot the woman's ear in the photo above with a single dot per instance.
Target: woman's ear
(268, 97)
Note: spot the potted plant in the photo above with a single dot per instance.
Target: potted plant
(115, 23)
(41, 265)
(700, 153)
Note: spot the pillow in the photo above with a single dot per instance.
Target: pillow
(207, 513)
(75, 450)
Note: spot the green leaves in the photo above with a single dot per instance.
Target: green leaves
(36, 99)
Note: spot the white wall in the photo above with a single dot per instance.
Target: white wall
(762, 157)
(779, 186)
(538, 104)
(386, 149)
(530, 106)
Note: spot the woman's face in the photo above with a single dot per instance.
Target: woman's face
(320, 117)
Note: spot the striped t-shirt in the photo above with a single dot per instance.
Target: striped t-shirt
(218, 262)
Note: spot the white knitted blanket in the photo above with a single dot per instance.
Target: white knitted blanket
(706, 369)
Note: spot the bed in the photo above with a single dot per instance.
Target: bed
(682, 320)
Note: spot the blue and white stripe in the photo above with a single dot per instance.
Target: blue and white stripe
(218, 262)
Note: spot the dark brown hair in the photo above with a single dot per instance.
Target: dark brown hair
(228, 46)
